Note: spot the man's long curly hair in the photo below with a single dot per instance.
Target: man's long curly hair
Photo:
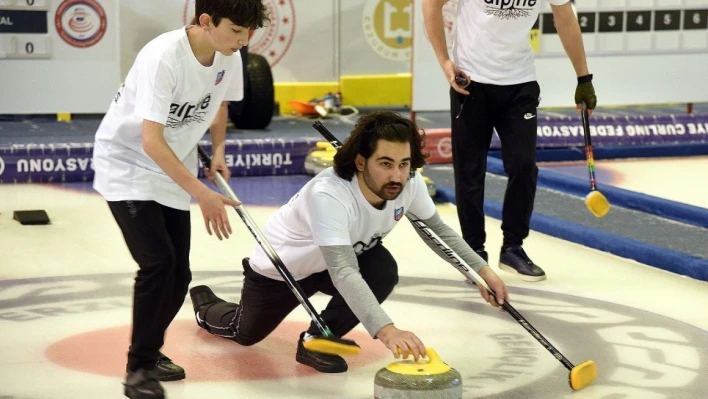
(369, 129)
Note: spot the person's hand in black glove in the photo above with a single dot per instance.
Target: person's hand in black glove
(585, 93)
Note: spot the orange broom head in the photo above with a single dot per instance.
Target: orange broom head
(303, 107)
(597, 204)
(583, 375)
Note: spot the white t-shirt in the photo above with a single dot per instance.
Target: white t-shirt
(327, 211)
(167, 85)
(492, 42)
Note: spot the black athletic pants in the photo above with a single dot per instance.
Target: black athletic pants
(158, 238)
(512, 111)
(266, 302)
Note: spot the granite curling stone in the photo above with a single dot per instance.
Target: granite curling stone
(424, 379)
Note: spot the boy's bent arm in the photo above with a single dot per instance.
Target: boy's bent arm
(343, 268)
(159, 151)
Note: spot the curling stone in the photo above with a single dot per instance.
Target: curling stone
(424, 379)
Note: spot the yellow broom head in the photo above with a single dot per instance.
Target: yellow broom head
(583, 375)
(597, 204)
(332, 346)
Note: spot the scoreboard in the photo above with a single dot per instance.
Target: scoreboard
(633, 27)
(639, 51)
(58, 56)
(24, 29)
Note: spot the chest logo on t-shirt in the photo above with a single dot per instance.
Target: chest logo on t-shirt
(509, 9)
(220, 77)
(186, 113)
(398, 214)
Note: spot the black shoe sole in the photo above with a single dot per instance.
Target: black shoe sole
(320, 367)
(171, 377)
(525, 277)
(132, 394)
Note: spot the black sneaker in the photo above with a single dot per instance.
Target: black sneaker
(515, 260)
(142, 384)
(319, 361)
(483, 254)
(165, 370)
(202, 296)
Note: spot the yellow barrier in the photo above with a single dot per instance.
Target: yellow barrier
(356, 90)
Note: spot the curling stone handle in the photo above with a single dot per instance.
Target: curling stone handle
(433, 357)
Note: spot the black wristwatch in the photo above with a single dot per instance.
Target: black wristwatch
(585, 79)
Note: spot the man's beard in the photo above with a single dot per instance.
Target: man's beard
(383, 192)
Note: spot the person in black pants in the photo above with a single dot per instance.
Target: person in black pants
(158, 238)
(329, 236)
(145, 163)
(265, 302)
(493, 86)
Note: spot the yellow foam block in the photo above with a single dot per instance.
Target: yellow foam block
(597, 204)
(324, 145)
(583, 375)
(376, 90)
(330, 347)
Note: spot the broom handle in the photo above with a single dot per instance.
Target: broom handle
(588, 146)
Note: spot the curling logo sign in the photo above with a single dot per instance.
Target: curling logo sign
(273, 41)
(387, 27)
(80, 23)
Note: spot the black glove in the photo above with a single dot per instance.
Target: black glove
(585, 92)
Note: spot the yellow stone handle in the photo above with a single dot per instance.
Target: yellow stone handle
(433, 365)
(433, 357)
(431, 354)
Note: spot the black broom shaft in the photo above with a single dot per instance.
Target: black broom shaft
(586, 125)
(327, 135)
(588, 143)
(539, 337)
(267, 248)
(472, 276)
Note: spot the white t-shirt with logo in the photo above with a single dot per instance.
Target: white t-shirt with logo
(167, 85)
(492, 42)
(327, 211)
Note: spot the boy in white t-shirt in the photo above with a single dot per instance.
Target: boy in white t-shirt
(493, 57)
(146, 166)
(329, 236)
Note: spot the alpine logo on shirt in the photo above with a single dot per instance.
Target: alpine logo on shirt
(186, 113)
(360, 246)
(509, 9)
(119, 93)
(398, 214)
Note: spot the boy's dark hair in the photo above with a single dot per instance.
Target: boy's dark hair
(251, 14)
(380, 125)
